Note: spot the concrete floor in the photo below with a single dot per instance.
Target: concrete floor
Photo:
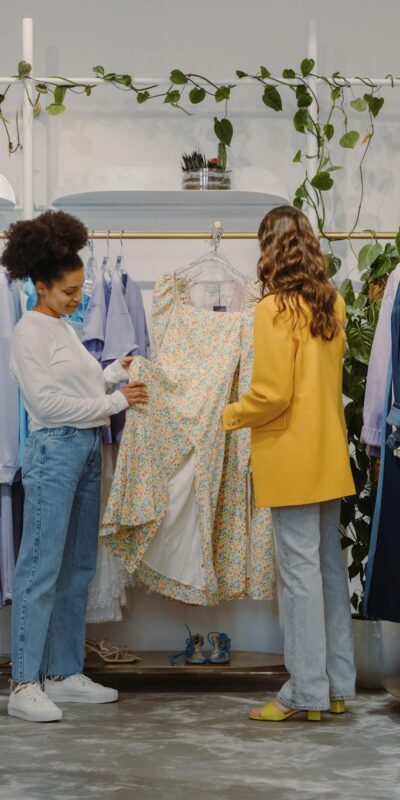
(193, 745)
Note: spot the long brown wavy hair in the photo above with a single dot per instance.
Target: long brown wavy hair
(292, 267)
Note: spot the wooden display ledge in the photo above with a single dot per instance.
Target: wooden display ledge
(157, 662)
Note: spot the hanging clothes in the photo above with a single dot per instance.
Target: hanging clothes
(134, 303)
(382, 595)
(181, 486)
(374, 402)
(10, 523)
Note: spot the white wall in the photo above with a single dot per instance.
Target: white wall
(108, 130)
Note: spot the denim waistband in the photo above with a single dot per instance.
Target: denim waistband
(65, 430)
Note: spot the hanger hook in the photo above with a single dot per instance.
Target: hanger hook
(108, 243)
(121, 241)
(91, 243)
(216, 234)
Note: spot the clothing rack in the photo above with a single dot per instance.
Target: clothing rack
(176, 235)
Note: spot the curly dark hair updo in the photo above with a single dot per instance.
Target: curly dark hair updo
(44, 248)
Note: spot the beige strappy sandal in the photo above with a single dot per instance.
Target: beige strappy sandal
(110, 652)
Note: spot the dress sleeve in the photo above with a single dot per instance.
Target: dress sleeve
(272, 381)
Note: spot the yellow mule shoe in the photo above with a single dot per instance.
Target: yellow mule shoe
(337, 707)
(271, 713)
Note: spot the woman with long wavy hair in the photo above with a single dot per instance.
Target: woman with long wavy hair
(300, 460)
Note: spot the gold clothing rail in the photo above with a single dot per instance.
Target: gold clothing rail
(177, 235)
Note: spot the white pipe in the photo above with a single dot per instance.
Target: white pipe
(27, 125)
(311, 146)
(220, 82)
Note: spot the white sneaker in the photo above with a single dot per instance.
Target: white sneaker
(79, 689)
(31, 703)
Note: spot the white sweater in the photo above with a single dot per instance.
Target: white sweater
(61, 383)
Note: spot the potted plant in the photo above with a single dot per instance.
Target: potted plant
(202, 173)
(377, 643)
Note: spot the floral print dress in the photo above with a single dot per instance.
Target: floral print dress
(195, 354)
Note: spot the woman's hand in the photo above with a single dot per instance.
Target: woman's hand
(126, 361)
(135, 393)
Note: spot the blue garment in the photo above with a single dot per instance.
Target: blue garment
(10, 312)
(120, 335)
(134, 302)
(94, 323)
(31, 294)
(393, 440)
(57, 559)
(382, 591)
(79, 314)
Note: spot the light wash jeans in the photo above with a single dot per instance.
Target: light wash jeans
(57, 560)
(316, 607)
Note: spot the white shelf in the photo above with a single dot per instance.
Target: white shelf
(144, 186)
(178, 197)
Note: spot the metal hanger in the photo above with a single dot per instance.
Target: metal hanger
(106, 266)
(120, 260)
(91, 268)
(214, 260)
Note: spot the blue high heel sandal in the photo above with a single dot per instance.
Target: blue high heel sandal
(194, 652)
(221, 648)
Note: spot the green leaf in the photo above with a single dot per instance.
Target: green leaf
(41, 88)
(297, 157)
(265, 73)
(288, 74)
(298, 203)
(24, 69)
(398, 243)
(303, 96)
(272, 99)
(197, 94)
(99, 70)
(241, 74)
(329, 130)
(359, 104)
(59, 94)
(347, 292)
(126, 80)
(88, 90)
(334, 264)
(307, 66)
(55, 108)
(172, 97)
(141, 97)
(336, 93)
(223, 130)
(349, 139)
(322, 181)
(222, 93)
(374, 103)
(178, 77)
(302, 120)
(368, 254)
(110, 76)
(359, 339)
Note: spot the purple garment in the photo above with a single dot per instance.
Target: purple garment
(120, 335)
(374, 403)
(94, 323)
(134, 302)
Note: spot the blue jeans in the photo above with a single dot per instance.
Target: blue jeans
(57, 560)
(316, 607)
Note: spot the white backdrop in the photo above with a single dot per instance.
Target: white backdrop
(110, 131)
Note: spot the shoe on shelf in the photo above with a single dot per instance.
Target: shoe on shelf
(221, 648)
(194, 652)
(79, 689)
(28, 701)
(110, 652)
(271, 713)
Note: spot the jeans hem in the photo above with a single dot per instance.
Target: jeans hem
(343, 696)
(306, 706)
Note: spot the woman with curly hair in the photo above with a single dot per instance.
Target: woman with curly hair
(66, 395)
(300, 459)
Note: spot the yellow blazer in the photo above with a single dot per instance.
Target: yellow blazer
(299, 448)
